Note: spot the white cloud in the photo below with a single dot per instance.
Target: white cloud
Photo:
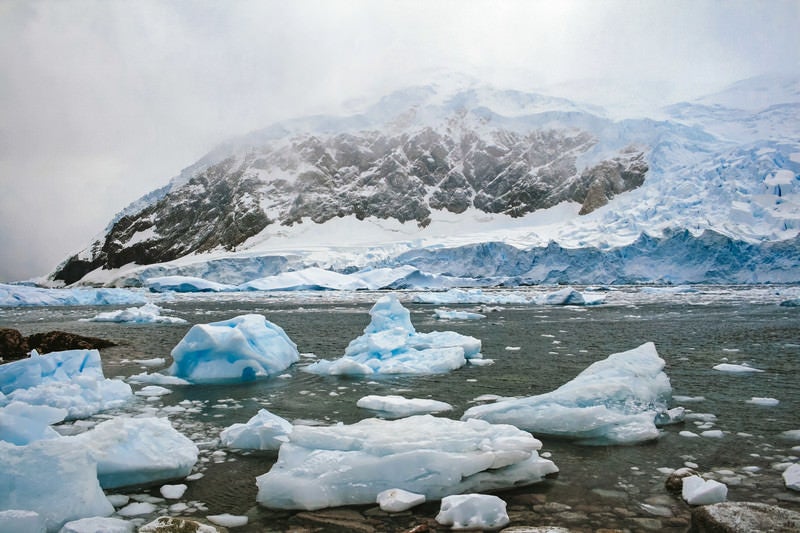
(104, 100)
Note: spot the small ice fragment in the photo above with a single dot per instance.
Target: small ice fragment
(398, 500)
(473, 511)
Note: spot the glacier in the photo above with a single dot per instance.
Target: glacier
(613, 401)
(391, 345)
(240, 349)
(339, 465)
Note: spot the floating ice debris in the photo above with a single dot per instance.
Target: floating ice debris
(186, 284)
(613, 401)
(391, 345)
(688, 399)
(767, 402)
(398, 500)
(264, 431)
(16, 520)
(137, 509)
(97, 525)
(228, 520)
(698, 491)
(156, 361)
(473, 511)
(446, 314)
(397, 406)
(791, 477)
(153, 390)
(71, 380)
(676, 415)
(727, 367)
(56, 481)
(22, 423)
(351, 464)
(569, 296)
(157, 379)
(147, 314)
(689, 434)
(313, 279)
(679, 289)
(21, 295)
(173, 492)
(713, 434)
(136, 451)
(470, 296)
(243, 348)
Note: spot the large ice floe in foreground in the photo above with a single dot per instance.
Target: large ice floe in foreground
(391, 345)
(243, 348)
(351, 464)
(613, 401)
(72, 380)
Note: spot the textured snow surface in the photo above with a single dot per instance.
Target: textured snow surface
(351, 464)
(243, 348)
(391, 345)
(264, 431)
(473, 511)
(71, 380)
(185, 284)
(613, 401)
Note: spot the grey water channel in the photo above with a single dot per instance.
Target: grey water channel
(535, 349)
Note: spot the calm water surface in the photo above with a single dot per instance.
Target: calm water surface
(615, 487)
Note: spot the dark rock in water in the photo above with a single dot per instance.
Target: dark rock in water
(674, 482)
(14, 346)
(743, 517)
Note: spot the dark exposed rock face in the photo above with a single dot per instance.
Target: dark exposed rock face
(743, 517)
(405, 176)
(14, 346)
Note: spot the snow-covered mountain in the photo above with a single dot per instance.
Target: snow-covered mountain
(438, 172)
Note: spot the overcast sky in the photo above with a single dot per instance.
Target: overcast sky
(103, 101)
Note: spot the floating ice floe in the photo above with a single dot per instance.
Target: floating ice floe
(569, 296)
(351, 464)
(398, 500)
(613, 401)
(56, 481)
(186, 284)
(699, 491)
(471, 296)
(791, 477)
(473, 511)
(98, 525)
(137, 451)
(767, 402)
(264, 431)
(397, 406)
(308, 279)
(22, 423)
(243, 348)
(735, 369)
(147, 314)
(23, 295)
(447, 314)
(391, 345)
(71, 380)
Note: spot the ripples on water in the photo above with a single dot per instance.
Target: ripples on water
(603, 486)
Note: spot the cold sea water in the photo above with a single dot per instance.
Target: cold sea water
(535, 349)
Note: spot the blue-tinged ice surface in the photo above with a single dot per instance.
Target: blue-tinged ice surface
(312, 278)
(393, 406)
(473, 512)
(264, 431)
(186, 284)
(391, 345)
(449, 314)
(136, 451)
(22, 423)
(71, 380)
(351, 464)
(147, 314)
(23, 295)
(57, 481)
(613, 401)
(569, 296)
(242, 348)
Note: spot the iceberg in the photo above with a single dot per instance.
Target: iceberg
(137, 451)
(698, 491)
(264, 431)
(71, 380)
(613, 401)
(313, 278)
(338, 465)
(397, 406)
(57, 481)
(186, 284)
(147, 314)
(569, 296)
(243, 348)
(391, 345)
(473, 511)
(23, 295)
(21, 423)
